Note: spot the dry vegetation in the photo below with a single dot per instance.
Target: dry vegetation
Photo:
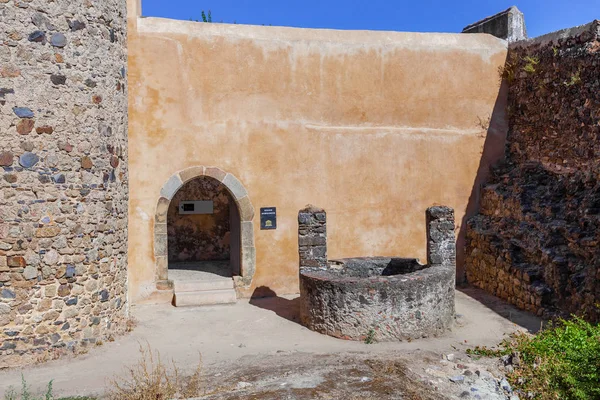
(152, 379)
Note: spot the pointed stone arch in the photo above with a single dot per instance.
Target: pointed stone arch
(246, 212)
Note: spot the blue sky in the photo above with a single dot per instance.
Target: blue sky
(541, 16)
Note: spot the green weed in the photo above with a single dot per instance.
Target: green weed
(11, 394)
(575, 79)
(370, 337)
(507, 72)
(530, 63)
(560, 362)
(26, 394)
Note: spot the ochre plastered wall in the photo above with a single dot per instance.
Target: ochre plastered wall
(372, 126)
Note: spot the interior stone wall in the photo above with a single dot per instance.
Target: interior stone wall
(64, 178)
(535, 242)
(200, 237)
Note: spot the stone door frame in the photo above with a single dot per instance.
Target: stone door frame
(246, 210)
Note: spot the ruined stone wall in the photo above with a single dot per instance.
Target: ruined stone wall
(535, 240)
(312, 237)
(199, 237)
(64, 181)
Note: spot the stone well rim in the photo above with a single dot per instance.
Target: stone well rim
(333, 276)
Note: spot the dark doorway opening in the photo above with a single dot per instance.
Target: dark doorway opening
(203, 230)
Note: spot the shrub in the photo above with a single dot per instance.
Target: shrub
(151, 379)
(560, 362)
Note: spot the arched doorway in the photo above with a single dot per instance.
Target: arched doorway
(229, 252)
(203, 236)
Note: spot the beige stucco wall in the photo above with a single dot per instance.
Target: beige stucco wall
(372, 126)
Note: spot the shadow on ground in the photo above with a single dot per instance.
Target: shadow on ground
(522, 318)
(265, 298)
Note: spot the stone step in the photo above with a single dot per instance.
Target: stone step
(202, 285)
(204, 298)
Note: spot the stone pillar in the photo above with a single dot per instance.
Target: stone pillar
(441, 243)
(63, 176)
(312, 237)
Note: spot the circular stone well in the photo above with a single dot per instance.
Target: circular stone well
(387, 299)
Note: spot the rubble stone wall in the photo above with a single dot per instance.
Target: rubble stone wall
(535, 242)
(200, 237)
(63, 176)
(312, 237)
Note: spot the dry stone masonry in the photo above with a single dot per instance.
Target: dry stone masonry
(63, 166)
(535, 242)
(377, 298)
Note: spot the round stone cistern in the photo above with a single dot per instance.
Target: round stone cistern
(383, 298)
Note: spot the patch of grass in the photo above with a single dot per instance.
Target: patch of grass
(575, 79)
(560, 362)
(151, 379)
(370, 337)
(487, 352)
(26, 394)
(507, 72)
(530, 63)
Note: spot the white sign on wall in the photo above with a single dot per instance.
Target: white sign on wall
(196, 207)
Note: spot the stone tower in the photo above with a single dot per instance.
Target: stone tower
(63, 176)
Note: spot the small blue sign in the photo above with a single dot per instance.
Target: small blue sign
(268, 218)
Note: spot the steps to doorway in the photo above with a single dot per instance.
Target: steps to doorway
(201, 292)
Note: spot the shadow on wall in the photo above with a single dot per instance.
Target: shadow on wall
(264, 297)
(493, 152)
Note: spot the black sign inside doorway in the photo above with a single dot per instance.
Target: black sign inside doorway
(268, 218)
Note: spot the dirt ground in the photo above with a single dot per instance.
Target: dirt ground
(257, 350)
(414, 375)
